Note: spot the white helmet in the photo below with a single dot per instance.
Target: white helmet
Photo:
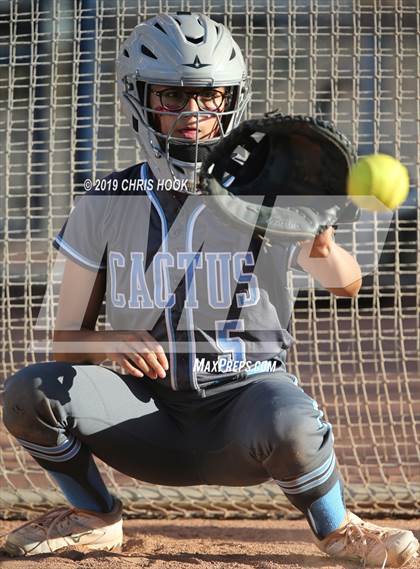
(183, 49)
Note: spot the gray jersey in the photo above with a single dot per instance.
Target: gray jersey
(215, 298)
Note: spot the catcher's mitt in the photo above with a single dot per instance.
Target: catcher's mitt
(298, 163)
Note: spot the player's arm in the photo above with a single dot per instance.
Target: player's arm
(331, 265)
(81, 295)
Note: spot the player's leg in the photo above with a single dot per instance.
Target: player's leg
(56, 409)
(272, 429)
(36, 405)
(62, 414)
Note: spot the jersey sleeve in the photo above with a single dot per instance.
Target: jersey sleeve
(82, 238)
(293, 253)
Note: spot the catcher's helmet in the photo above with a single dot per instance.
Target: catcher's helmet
(183, 49)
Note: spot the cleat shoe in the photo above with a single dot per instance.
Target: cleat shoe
(373, 545)
(67, 527)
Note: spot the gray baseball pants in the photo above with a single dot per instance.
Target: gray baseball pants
(266, 429)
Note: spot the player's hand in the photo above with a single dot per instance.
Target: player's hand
(141, 355)
(320, 247)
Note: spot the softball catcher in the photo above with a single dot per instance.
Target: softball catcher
(195, 283)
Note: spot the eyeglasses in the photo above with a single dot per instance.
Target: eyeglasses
(174, 100)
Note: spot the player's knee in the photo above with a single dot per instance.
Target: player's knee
(26, 396)
(294, 434)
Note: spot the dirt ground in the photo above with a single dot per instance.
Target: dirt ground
(239, 544)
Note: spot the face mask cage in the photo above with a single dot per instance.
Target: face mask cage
(183, 156)
(191, 151)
